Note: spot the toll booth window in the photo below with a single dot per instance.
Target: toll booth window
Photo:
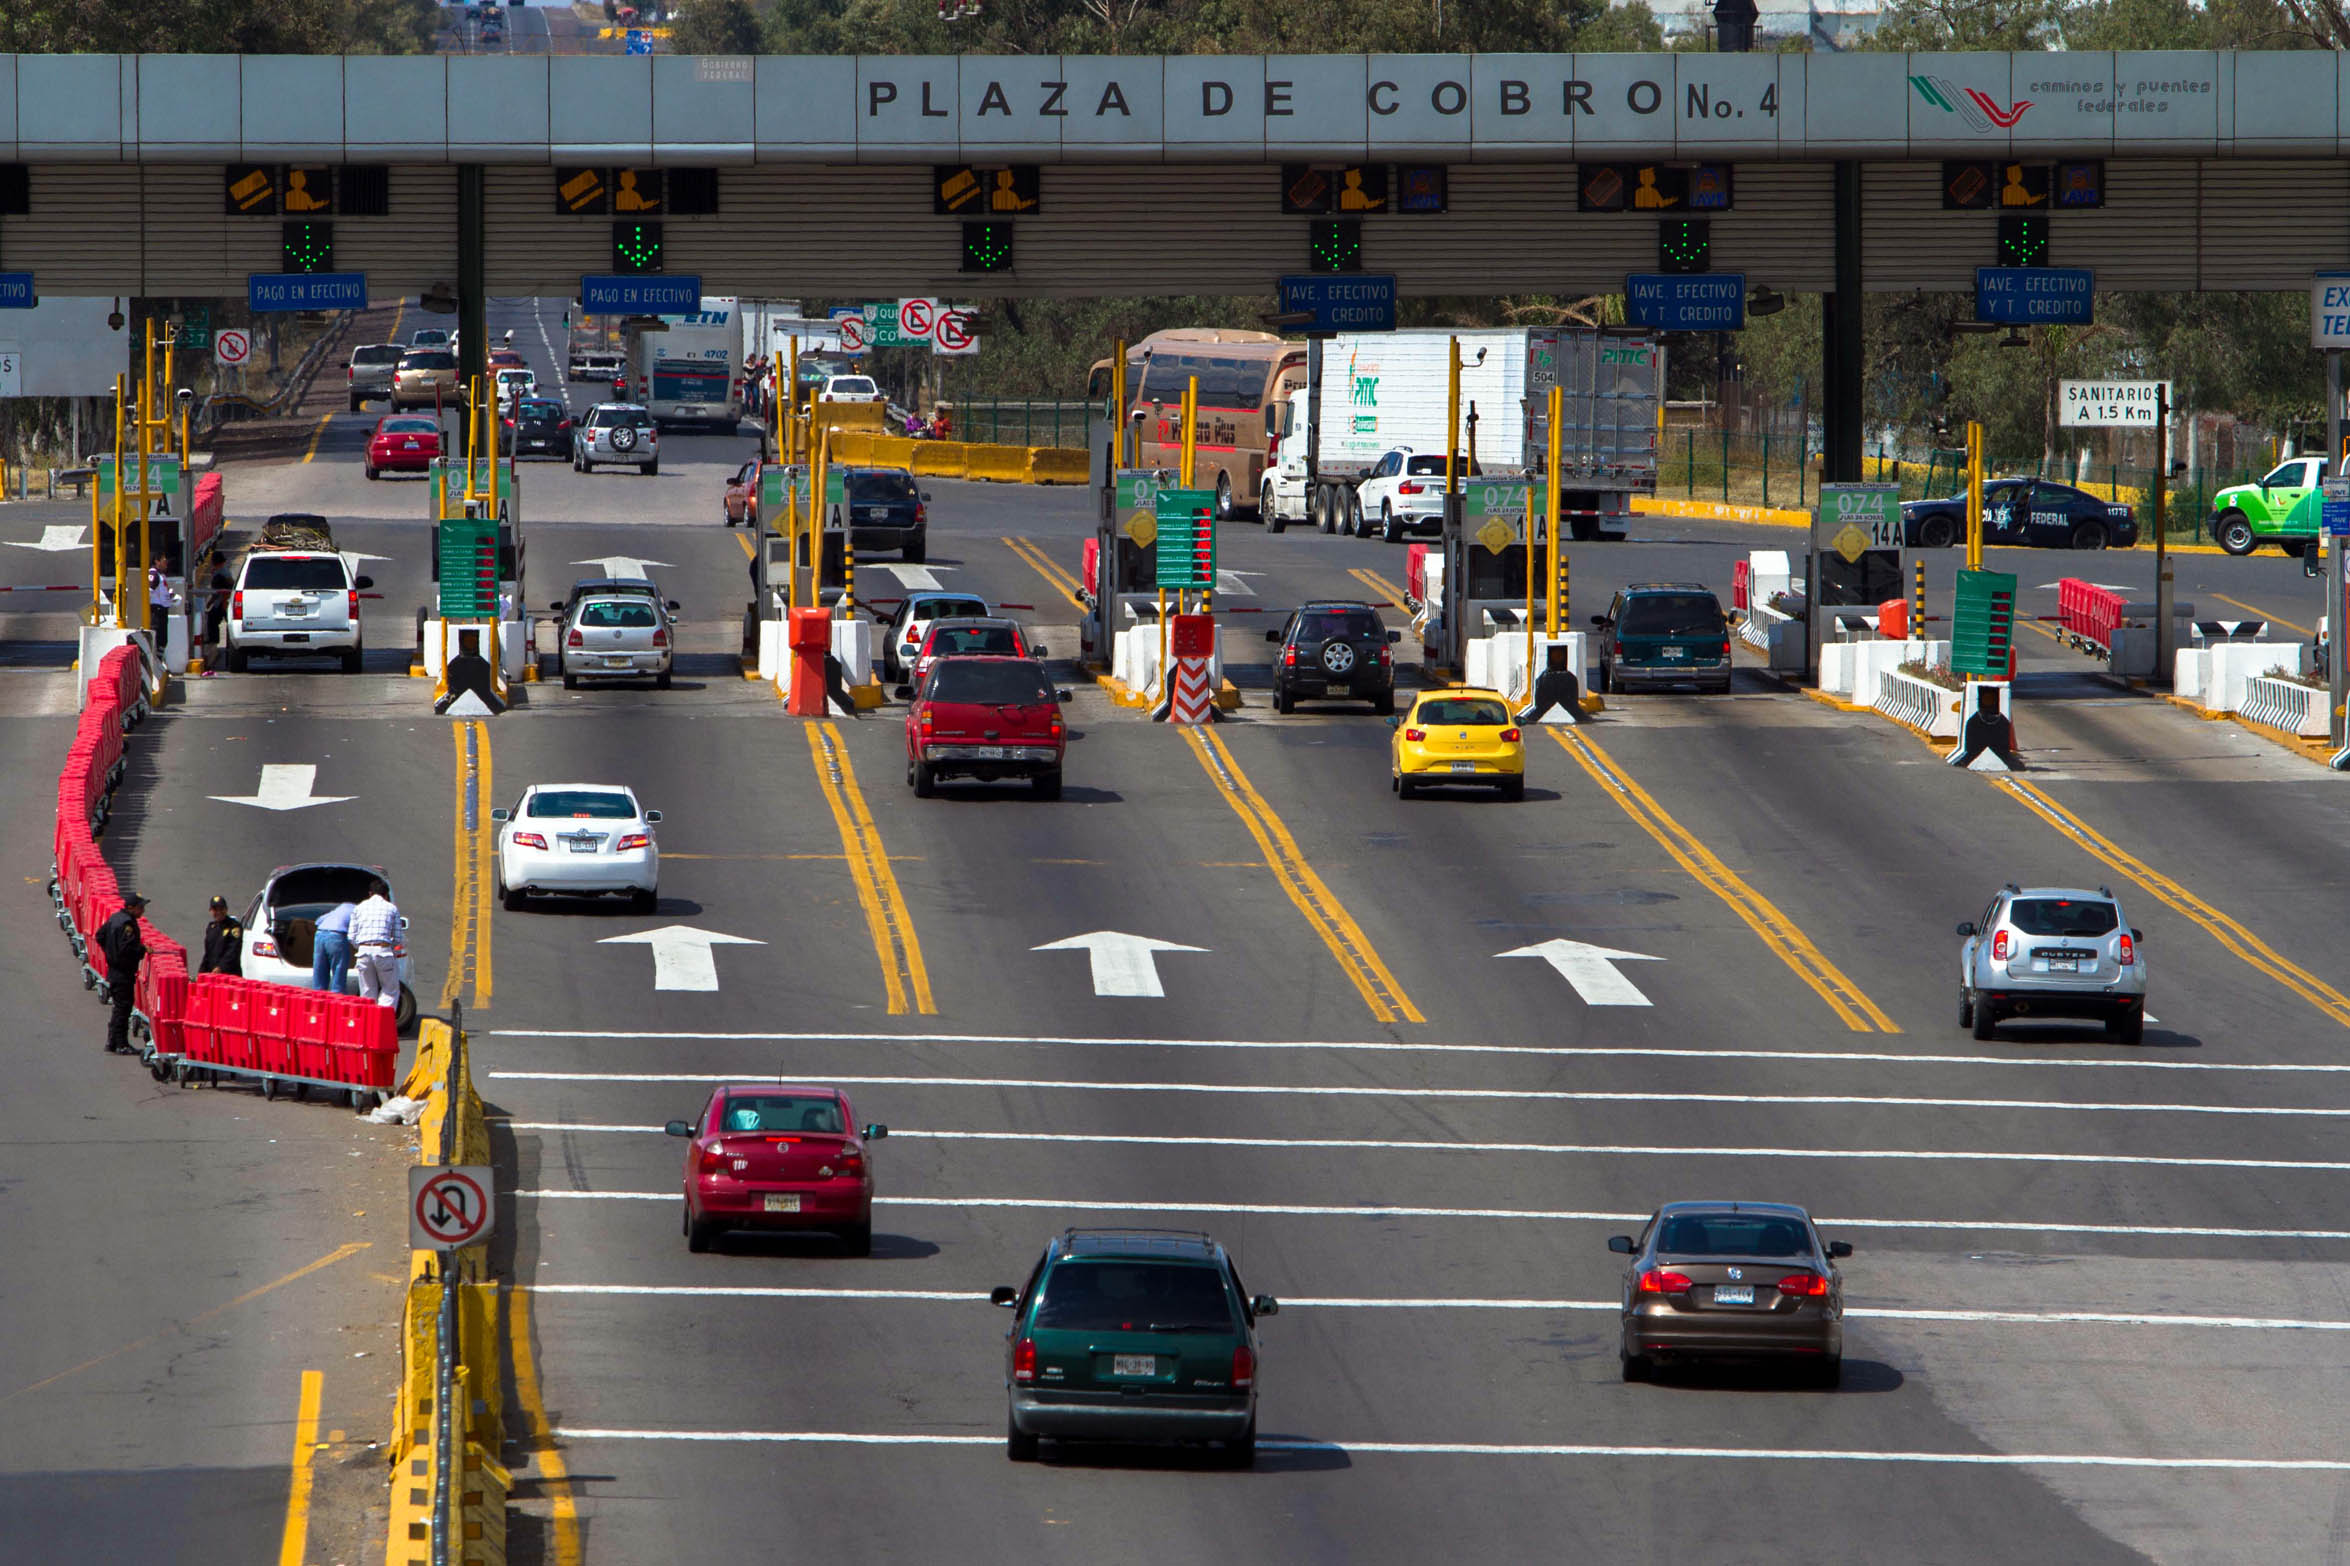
(1495, 576)
(1872, 579)
(1672, 614)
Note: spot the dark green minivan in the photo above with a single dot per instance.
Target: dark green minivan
(1662, 634)
(1132, 1335)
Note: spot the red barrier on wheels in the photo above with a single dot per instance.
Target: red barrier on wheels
(275, 1028)
(311, 1033)
(1415, 572)
(2088, 611)
(1741, 583)
(163, 987)
(1092, 567)
(204, 518)
(366, 1042)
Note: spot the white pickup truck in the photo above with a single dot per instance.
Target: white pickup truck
(294, 603)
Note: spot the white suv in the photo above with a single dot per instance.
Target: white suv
(618, 432)
(294, 603)
(1404, 493)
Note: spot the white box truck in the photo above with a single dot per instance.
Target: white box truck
(1381, 418)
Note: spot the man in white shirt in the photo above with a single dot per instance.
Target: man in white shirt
(375, 941)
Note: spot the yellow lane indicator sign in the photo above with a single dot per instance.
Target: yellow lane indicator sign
(581, 190)
(252, 188)
(1143, 528)
(1496, 535)
(1850, 542)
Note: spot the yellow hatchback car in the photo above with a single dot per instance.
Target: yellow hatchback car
(1459, 736)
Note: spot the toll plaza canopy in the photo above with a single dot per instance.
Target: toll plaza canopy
(168, 174)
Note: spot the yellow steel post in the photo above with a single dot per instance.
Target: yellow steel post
(122, 553)
(97, 532)
(1118, 419)
(1974, 496)
(1452, 419)
(1190, 427)
(1550, 508)
(788, 406)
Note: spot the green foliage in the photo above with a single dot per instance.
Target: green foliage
(217, 26)
(717, 27)
(1207, 26)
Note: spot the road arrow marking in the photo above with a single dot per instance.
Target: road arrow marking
(1122, 964)
(1232, 585)
(681, 953)
(624, 567)
(1590, 969)
(285, 786)
(914, 578)
(55, 539)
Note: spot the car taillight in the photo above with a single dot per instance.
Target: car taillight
(850, 1167)
(921, 514)
(1725, 647)
(1999, 947)
(1409, 489)
(1510, 736)
(265, 948)
(1024, 1360)
(1244, 1367)
(1415, 736)
(1289, 657)
(236, 603)
(925, 720)
(660, 637)
(1056, 727)
(1803, 1285)
(1385, 656)
(714, 1160)
(633, 840)
(911, 638)
(352, 602)
(2129, 952)
(530, 840)
(576, 639)
(1656, 1281)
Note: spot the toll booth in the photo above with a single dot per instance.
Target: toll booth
(1493, 537)
(1857, 537)
(1122, 585)
(501, 481)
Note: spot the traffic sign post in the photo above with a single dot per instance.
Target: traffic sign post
(1185, 541)
(450, 1206)
(1982, 624)
(956, 334)
(232, 346)
(2105, 404)
(1687, 302)
(1360, 302)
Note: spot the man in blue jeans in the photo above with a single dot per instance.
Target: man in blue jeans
(330, 949)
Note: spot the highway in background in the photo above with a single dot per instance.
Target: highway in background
(2098, 1291)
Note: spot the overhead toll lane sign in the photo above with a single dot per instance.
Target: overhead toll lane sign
(252, 188)
(955, 187)
(1705, 302)
(1364, 302)
(582, 191)
(1655, 187)
(965, 189)
(268, 291)
(2035, 295)
(613, 294)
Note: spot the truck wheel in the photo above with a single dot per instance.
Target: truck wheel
(1267, 513)
(1318, 508)
(2235, 533)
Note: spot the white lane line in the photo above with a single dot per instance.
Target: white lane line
(1593, 1149)
(1396, 1047)
(1537, 1215)
(1765, 1454)
(1516, 1095)
(2004, 1318)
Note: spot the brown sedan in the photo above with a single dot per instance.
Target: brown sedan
(1732, 1280)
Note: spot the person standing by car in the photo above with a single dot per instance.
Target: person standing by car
(119, 942)
(224, 942)
(375, 941)
(330, 949)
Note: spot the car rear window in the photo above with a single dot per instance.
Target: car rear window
(881, 486)
(282, 573)
(1135, 1296)
(2062, 916)
(1672, 614)
(429, 361)
(1465, 710)
(950, 609)
(387, 353)
(537, 412)
(1733, 1234)
(780, 1112)
(1320, 626)
(607, 417)
(617, 616)
(994, 684)
(1426, 465)
(851, 385)
(974, 639)
(410, 427)
(581, 804)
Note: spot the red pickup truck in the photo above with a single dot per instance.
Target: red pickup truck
(988, 718)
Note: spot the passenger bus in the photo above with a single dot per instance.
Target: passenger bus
(1241, 375)
(689, 370)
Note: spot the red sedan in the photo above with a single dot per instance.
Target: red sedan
(742, 495)
(402, 443)
(775, 1157)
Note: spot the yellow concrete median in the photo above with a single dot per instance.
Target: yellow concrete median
(998, 464)
(939, 458)
(1057, 465)
(892, 451)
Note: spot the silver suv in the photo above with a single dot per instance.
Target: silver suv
(2052, 952)
(371, 369)
(618, 432)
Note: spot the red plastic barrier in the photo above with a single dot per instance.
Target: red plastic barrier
(122, 670)
(163, 987)
(204, 518)
(1093, 566)
(1415, 571)
(1893, 619)
(277, 1028)
(366, 1043)
(1741, 583)
(311, 1032)
(2088, 611)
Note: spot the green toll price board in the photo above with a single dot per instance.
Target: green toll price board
(1184, 549)
(1982, 628)
(468, 560)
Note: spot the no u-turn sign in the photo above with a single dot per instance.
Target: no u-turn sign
(449, 1205)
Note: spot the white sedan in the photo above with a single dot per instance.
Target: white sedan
(578, 840)
(851, 388)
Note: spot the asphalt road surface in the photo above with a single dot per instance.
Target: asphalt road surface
(2098, 1300)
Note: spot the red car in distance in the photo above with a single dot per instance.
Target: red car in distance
(770, 1156)
(402, 443)
(987, 718)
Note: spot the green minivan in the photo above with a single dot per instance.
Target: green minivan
(1141, 1335)
(1663, 634)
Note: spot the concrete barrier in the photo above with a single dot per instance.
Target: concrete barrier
(997, 464)
(939, 458)
(2215, 677)
(1921, 704)
(892, 451)
(1498, 662)
(2285, 704)
(1057, 465)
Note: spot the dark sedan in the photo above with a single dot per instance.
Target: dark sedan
(539, 425)
(1732, 1280)
(2038, 512)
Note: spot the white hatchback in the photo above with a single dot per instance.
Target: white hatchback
(578, 840)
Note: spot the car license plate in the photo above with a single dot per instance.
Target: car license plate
(990, 752)
(1733, 1294)
(1134, 1365)
(616, 663)
(2064, 965)
(296, 611)
(789, 1202)
(580, 845)
(1461, 766)
(297, 636)
(1676, 652)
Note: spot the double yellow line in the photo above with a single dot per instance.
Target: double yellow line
(476, 859)
(1315, 900)
(2227, 931)
(903, 975)
(1058, 579)
(1379, 585)
(1778, 932)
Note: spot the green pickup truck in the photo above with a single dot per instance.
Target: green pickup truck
(2279, 509)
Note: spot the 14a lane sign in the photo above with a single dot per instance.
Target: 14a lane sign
(449, 1205)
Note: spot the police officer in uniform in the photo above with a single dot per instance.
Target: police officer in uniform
(224, 942)
(119, 942)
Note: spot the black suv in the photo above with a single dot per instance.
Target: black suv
(1132, 1335)
(886, 510)
(1335, 648)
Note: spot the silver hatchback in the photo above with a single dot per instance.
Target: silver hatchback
(2052, 952)
(617, 637)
